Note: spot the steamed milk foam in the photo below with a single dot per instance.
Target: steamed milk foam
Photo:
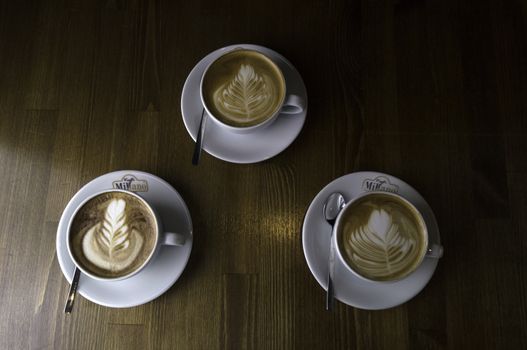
(113, 234)
(382, 237)
(243, 88)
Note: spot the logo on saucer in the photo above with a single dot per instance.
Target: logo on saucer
(380, 183)
(131, 183)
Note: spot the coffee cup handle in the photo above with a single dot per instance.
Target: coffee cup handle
(172, 238)
(293, 104)
(434, 251)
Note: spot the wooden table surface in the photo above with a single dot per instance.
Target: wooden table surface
(434, 92)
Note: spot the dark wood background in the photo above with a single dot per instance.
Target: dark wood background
(434, 92)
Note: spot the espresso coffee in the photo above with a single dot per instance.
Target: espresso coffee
(382, 237)
(113, 234)
(243, 88)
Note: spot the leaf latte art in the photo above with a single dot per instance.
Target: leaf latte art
(111, 245)
(243, 88)
(113, 234)
(382, 239)
(246, 97)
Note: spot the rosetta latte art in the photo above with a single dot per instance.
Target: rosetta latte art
(247, 97)
(380, 248)
(111, 244)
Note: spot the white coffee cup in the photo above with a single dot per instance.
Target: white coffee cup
(291, 104)
(433, 249)
(162, 237)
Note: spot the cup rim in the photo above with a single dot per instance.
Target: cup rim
(143, 265)
(338, 248)
(242, 129)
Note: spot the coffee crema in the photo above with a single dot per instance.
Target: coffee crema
(382, 237)
(113, 234)
(243, 88)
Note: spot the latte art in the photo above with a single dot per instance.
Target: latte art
(111, 245)
(243, 88)
(382, 237)
(113, 234)
(246, 97)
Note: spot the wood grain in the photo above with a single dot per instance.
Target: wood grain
(427, 90)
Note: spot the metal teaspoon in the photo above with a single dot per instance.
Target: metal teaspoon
(73, 291)
(332, 207)
(199, 139)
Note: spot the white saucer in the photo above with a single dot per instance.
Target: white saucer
(243, 148)
(162, 272)
(350, 289)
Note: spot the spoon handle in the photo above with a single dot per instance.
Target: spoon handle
(331, 266)
(329, 295)
(73, 291)
(199, 139)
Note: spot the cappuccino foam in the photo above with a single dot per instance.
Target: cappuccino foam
(243, 88)
(113, 234)
(383, 238)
